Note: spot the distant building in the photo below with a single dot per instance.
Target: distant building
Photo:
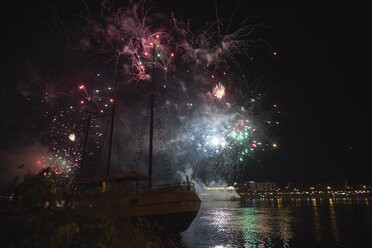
(256, 187)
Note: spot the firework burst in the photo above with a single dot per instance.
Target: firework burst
(64, 142)
(226, 131)
(218, 91)
(95, 101)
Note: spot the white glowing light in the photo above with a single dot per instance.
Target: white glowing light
(72, 137)
(218, 141)
(219, 91)
(215, 141)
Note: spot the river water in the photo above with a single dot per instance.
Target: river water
(282, 223)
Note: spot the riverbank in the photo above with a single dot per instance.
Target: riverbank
(302, 195)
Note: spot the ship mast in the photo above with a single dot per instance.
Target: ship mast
(88, 123)
(152, 100)
(82, 163)
(113, 115)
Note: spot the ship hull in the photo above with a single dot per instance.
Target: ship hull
(169, 211)
(166, 209)
(169, 223)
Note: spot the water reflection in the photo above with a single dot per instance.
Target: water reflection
(318, 229)
(285, 229)
(249, 225)
(279, 223)
(279, 202)
(333, 219)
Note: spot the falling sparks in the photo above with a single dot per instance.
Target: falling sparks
(95, 100)
(62, 166)
(229, 132)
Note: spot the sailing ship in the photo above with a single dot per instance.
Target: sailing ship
(171, 207)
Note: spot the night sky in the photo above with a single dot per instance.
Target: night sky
(318, 78)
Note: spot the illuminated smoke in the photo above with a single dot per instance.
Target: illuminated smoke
(222, 133)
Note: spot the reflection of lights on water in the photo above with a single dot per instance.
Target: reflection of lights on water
(221, 218)
(333, 218)
(250, 227)
(72, 137)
